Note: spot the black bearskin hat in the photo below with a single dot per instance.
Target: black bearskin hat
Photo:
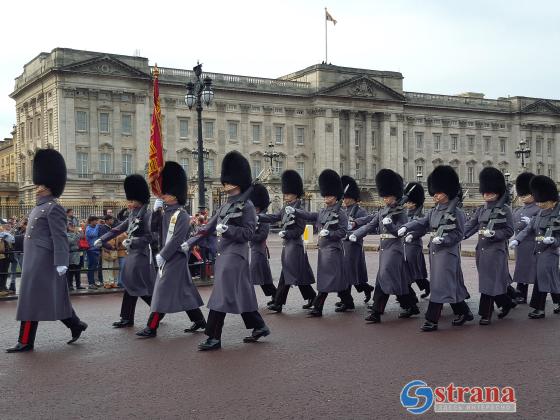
(417, 195)
(136, 188)
(444, 179)
(330, 184)
(543, 189)
(174, 181)
(350, 187)
(522, 183)
(389, 183)
(260, 198)
(491, 180)
(49, 169)
(236, 170)
(292, 183)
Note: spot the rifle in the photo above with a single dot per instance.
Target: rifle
(399, 208)
(497, 215)
(331, 218)
(136, 222)
(553, 221)
(447, 221)
(235, 208)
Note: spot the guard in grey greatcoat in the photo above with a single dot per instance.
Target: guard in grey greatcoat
(44, 289)
(525, 258)
(545, 228)
(259, 266)
(234, 223)
(393, 277)
(446, 224)
(414, 247)
(174, 290)
(139, 272)
(493, 222)
(332, 223)
(296, 270)
(354, 255)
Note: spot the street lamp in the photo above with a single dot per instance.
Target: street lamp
(523, 152)
(271, 155)
(197, 93)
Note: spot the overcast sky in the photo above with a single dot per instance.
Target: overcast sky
(498, 47)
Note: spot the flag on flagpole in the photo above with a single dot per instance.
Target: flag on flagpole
(155, 162)
(329, 17)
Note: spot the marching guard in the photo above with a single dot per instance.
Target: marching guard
(445, 222)
(525, 258)
(393, 276)
(174, 290)
(296, 270)
(44, 290)
(234, 224)
(493, 222)
(139, 273)
(354, 255)
(545, 228)
(259, 265)
(332, 223)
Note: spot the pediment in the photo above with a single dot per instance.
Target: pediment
(105, 65)
(363, 87)
(542, 106)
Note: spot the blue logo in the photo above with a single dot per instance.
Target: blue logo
(417, 397)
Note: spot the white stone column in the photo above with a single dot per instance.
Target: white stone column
(369, 175)
(335, 114)
(352, 143)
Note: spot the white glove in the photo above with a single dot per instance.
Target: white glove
(387, 221)
(158, 204)
(289, 210)
(126, 243)
(62, 269)
(159, 260)
(350, 226)
(488, 233)
(352, 238)
(324, 232)
(282, 233)
(437, 240)
(548, 240)
(401, 231)
(513, 243)
(526, 220)
(408, 238)
(185, 247)
(98, 243)
(221, 228)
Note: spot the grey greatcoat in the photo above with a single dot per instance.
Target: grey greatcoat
(491, 253)
(174, 290)
(525, 257)
(330, 265)
(393, 276)
(446, 276)
(295, 264)
(548, 274)
(43, 293)
(259, 266)
(233, 291)
(354, 255)
(139, 272)
(414, 252)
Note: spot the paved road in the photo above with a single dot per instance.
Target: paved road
(336, 367)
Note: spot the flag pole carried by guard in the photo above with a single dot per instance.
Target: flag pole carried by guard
(155, 162)
(333, 20)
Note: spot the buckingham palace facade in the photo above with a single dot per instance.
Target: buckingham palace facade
(96, 107)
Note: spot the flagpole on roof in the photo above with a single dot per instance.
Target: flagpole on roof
(326, 39)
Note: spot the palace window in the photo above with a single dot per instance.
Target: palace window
(256, 165)
(470, 143)
(82, 163)
(126, 124)
(454, 142)
(549, 144)
(105, 163)
(419, 141)
(300, 136)
(185, 165)
(357, 138)
(300, 168)
(209, 165)
(470, 174)
(127, 163)
(538, 146)
(502, 145)
(81, 121)
(209, 129)
(487, 141)
(256, 128)
(232, 129)
(183, 128)
(437, 142)
(278, 166)
(104, 122)
(279, 134)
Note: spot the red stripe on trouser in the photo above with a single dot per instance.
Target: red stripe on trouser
(26, 331)
(155, 321)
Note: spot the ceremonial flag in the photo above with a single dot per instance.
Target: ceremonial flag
(155, 162)
(329, 17)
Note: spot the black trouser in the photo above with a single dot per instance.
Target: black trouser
(269, 289)
(538, 298)
(486, 304)
(380, 299)
(73, 275)
(28, 329)
(195, 315)
(511, 292)
(423, 284)
(215, 322)
(362, 287)
(307, 292)
(522, 290)
(128, 306)
(344, 295)
(433, 312)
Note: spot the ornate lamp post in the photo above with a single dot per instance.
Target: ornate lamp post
(198, 92)
(271, 155)
(523, 152)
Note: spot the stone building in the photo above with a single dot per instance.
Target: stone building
(95, 108)
(9, 194)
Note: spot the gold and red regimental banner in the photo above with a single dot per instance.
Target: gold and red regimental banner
(155, 162)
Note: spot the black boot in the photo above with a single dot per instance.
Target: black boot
(256, 334)
(429, 326)
(198, 325)
(210, 344)
(270, 302)
(315, 313)
(505, 310)
(536, 314)
(309, 304)
(344, 307)
(123, 323)
(462, 318)
(374, 318)
(408, 312)
(20, 348)
(275, 307)
(147, 333)
(367, 293)
(77, 332)
(485, 321)
(426, 292)
(338, 304)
